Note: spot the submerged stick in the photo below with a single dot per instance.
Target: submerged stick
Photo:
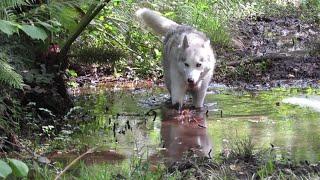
(73, 162)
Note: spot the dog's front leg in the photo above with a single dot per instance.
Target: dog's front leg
(198, 98)
(199, 95)
(177, 94)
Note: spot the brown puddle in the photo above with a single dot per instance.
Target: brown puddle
(182, 133)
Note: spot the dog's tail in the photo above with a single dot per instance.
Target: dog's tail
(155, 21)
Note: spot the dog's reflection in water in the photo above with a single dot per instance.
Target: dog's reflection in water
(184, 132)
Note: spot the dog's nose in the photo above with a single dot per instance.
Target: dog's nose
(191, 81)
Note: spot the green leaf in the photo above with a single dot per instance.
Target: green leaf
(8, 75)
(46, 25)
(5, 169)
(4, 4)
(8, 27)
(67, 17)
(34, 32)
(19, 168)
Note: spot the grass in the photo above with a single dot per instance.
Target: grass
(133, 168)
(244, 162)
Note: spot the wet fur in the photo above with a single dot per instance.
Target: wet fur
(188, 58)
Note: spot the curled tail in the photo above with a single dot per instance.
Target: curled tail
(155, 21)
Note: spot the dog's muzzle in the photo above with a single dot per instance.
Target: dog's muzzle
(192, 84)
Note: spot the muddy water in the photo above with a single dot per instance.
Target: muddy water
(123, 123)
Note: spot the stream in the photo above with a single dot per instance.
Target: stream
(136, 122)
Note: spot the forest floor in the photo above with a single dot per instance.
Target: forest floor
(265, 52)
(270, 52)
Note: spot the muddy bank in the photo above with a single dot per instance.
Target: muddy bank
(241, 167)
(269, 50)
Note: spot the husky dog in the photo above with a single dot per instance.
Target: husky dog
(188, 58)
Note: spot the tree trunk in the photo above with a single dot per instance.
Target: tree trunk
(93, 11)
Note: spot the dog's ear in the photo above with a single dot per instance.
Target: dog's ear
(206, 44)
(185, 43)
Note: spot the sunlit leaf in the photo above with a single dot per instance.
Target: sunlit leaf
(67, 17)
(34, 32)
(8, 27)
(19, 168)
(5, 169)
(46, 25)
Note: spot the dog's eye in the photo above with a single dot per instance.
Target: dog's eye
(198, 65)
(186, 64)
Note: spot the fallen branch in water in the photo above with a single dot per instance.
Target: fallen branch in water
(151, 112)
(73, 162)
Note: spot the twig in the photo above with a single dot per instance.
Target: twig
(209, 153)
(152, 112)
(73, 162)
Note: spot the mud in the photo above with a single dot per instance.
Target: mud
(271, 51)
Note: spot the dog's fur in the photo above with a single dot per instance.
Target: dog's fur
(188, 58)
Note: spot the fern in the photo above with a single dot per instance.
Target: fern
(33, 22)
(6, 4)
(11, 3)
(7, 75)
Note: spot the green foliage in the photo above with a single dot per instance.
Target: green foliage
(8, 27)
(5, 12)
(100, 55)
(16, 167)
(116, 40)
(34, 32)
(8, 75)
(5, 169)
(13, 22)
(196, 13)
(66, 16)
(19, 168)
(36, 21)
(72, 84)
(267, 169)
(71, 73)
(242, 149)
(40, 19)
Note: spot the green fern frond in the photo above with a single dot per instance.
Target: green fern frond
(8, 76)
(4, 4)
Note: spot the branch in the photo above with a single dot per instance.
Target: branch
(73, 162)
(93, 11)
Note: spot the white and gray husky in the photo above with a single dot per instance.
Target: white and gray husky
(188, 58)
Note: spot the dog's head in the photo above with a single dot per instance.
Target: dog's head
(195, 61)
